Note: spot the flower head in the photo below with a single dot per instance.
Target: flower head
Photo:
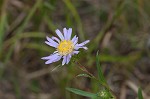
(105, 94)
(65, 46)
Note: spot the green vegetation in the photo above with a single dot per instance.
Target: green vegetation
(118, 29)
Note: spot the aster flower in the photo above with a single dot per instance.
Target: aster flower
(65, 46)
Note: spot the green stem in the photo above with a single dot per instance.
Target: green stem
(81, 67)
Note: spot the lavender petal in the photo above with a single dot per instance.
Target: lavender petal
(50, 56)
(50, 44)
(51, 41)
(75, 52)
(64, 60)
(78, 47)
(83, 43)
(58, 59)
(68, 58)
(65, 33)
(74, 38)
(59, 34)
(52, 59)
(69, 33)
(56, 39)
(75, 42)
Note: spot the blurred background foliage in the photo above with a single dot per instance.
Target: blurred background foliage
(119, 29)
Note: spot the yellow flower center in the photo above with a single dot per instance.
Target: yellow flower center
(65, 47)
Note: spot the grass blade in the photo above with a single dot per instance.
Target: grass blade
(74, 12)
(2, 30)
(82, 93)
(140, 96)
(100, 74)
(29, 16)
(3, 21)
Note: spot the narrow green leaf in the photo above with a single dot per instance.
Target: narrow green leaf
(36, 46)
(82, 93)
(29, 16)
(140, 96)
(2, 30)
(100, 74)
(84, 75)
(15, 83)
(50, 23)
(76, 16)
